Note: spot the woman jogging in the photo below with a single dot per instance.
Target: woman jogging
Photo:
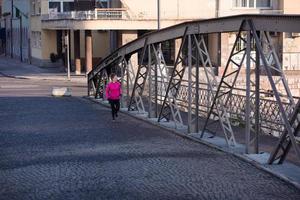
(113, 94)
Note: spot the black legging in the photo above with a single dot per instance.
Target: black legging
(115, 107)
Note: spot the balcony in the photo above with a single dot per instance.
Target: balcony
(97, 14)
(103, 19)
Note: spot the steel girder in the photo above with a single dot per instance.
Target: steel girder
(136, 101)
(153, 63)
(127, 79)
(223, 90)
(252, 104)
(221, 112)
(193, 82)
(172, 85)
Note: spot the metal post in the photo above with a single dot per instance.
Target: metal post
(123, 66)
(5, 24)
(11, 29)
(68, 53)
(248, 90)
(29, 41)
(257, 100)
(197, 92)
(21, 39)
(150, 114)
(190, 113)
(127, 81)
(156, 90)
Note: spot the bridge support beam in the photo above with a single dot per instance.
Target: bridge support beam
(193, 88)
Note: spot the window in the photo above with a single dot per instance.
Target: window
(263, 3)
(251, 3)
(101, 3)
(168, 49)
(36, 7)
(36, 39)
(68, 6)
(33, 7)
(55, 5)
(239, 3)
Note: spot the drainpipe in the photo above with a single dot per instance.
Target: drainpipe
(217, 8)
(217, 14)
(158, 14)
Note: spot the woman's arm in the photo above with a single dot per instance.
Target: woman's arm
(121, 90)
(107, 92)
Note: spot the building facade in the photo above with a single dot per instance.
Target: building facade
(16, 22)
(95, 28)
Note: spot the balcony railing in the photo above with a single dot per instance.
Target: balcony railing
(97, 14)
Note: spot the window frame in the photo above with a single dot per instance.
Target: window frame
(248, 7)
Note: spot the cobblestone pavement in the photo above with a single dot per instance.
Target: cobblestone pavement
(68, 148)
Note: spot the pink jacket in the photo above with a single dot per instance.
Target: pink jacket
(113, 91)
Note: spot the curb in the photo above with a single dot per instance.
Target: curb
(185, 136)
(42, 78)
(10, 76)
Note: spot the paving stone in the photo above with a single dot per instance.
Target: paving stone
(70, 149)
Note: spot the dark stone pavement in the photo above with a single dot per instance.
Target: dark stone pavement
(69, 148)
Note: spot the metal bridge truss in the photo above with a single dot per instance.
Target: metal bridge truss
(171, 84)
(224, 89)
(221, 113)
(173, 90)
(136, 100)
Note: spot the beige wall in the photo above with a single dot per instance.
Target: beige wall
(291, 7)
(128, 36)
(48, 44)
(35, 21)
(44, 6)
(100, 44)
(48, 38)
(175, 9)
(291, 42)
(213, 48)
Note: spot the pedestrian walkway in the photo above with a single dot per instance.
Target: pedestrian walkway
(69, 148)
(14, 68)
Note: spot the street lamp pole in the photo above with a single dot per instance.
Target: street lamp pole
(11, 28)
(158, 14)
